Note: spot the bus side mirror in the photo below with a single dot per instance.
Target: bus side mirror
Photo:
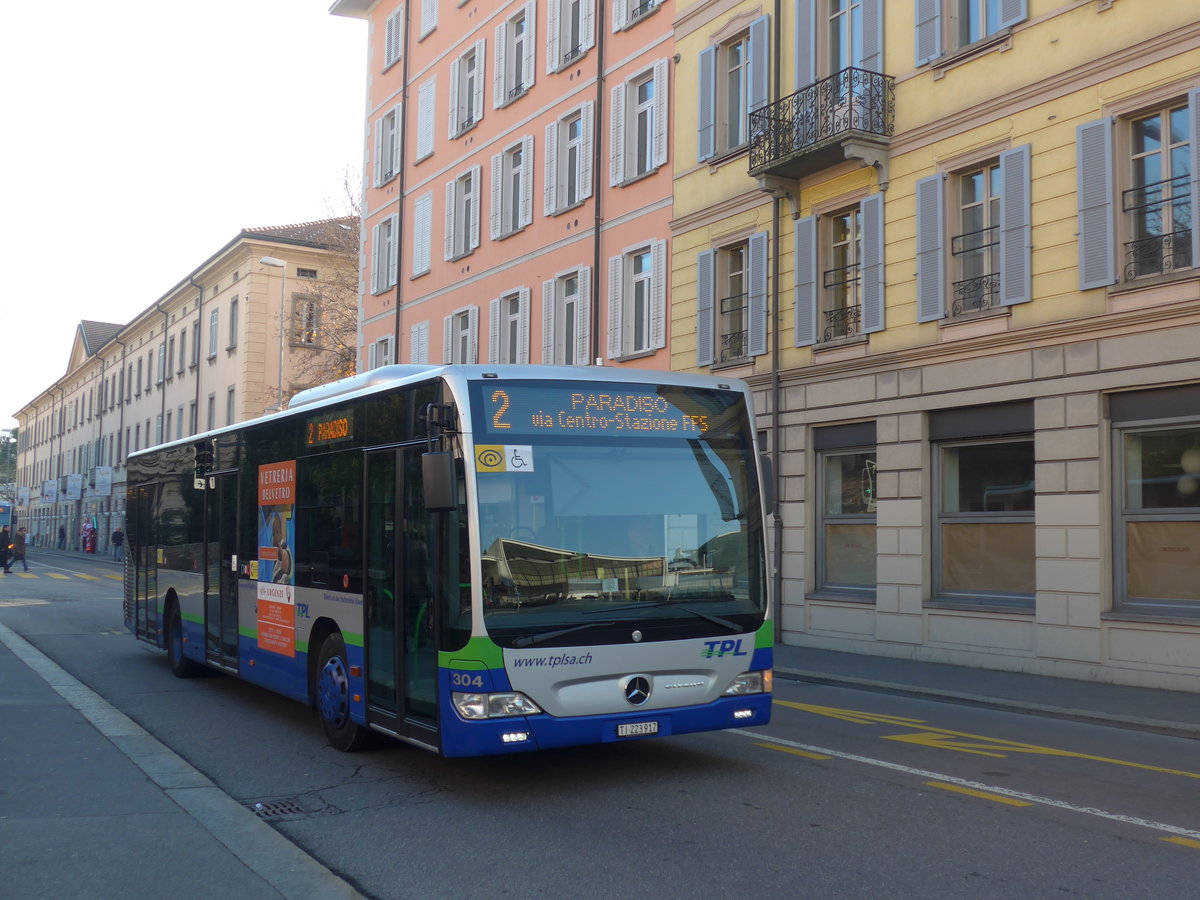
(768, 482)
(437, 477)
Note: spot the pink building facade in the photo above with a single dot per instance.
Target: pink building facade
(517, 182)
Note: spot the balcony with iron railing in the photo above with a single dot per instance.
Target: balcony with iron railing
(732, 330)
(1161, 220)
(849, 115)
(844, 317)
(975, 258)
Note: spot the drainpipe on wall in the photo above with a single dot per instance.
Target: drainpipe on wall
(597, 181)
(776, 390)
(403, 181)
(195, 350)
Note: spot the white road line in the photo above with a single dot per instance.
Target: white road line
(977, 785)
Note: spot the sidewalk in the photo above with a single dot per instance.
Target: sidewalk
(1145, 708)
(93, 806)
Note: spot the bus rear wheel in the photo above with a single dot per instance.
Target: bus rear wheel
(333, 698)
(181, 666)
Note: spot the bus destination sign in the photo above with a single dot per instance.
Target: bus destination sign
(596, 410)
(328, 429)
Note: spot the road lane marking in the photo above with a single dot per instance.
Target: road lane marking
(965, 742)
(926, 775)
(1186, 842)
(794, 751)
(982, 795)
(57, 575)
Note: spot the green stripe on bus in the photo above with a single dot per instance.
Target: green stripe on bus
(479, 653)
(766, 635)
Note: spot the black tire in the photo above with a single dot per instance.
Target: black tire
(181, 666)
(332, 696)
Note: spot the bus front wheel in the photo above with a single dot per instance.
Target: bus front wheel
(181, 666)
(333, 698)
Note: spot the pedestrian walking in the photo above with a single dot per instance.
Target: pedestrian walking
(118, 542)
(19, 544)
(5, 548)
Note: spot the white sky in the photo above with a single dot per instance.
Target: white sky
(140, 137)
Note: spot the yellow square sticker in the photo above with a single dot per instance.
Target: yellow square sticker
(490, 458)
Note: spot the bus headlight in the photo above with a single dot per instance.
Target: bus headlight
(493, 706)
(751, 683)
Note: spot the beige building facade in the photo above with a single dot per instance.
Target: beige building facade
(960, 237)
(209, 352)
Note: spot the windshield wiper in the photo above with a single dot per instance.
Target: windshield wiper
(530, 640)
(716, 620)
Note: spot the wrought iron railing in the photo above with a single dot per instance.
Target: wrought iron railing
(733, 333)
(975, 294)
(853, 100)
(843, 320)
(1159, 254)
(975, 250)
(643, 8)
(572, 54)
(1162, 217)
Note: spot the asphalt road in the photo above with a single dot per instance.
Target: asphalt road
(847, 793)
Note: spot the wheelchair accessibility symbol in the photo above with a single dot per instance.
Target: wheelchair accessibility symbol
(504, 458)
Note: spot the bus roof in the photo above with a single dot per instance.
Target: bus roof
(386, 377)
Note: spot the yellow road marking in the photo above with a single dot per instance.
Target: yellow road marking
(1187, 842)
(964, 742)
(794, 751)
(59, 575)
(88, 577)
(116, 577)
(982, 795)
(25, 575)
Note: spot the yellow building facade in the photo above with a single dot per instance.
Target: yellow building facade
(951, 244)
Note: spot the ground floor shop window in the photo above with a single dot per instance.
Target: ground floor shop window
(984, 534)
(1159, 518)
(846, 561)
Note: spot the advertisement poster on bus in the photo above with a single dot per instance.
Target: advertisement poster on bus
(276, 573)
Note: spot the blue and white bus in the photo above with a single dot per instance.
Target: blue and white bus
(473, 559)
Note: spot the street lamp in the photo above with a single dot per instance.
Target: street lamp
(276, 263)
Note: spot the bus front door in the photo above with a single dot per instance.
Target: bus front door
(143, 542)
(401, 625)
(221, 579)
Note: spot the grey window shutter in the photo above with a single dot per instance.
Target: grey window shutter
(872, 38)
(759, 68)
(929, 30)
(931, 261)
(1094, 167)
(870, 212)
(707, 147)
(805, 289)
(494, 330)
(448, 339)
(616, 135)
(661, 111)
(806, 43)
(523, 325)
(550, 192)
(705, 290)
(499, 89)
(658, 295)
(757, 338)
(616, 280)
(1194, 112)
(548, 321)
(587, 135)
(1012, 12)
(527, 180)
(583, 322)
(1016, 241)
(496, 218)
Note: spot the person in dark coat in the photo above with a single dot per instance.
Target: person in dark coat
(5, 548)
(19, 547)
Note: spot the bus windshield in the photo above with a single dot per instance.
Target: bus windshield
(606, 514)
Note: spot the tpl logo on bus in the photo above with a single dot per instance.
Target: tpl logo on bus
(721, 649)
